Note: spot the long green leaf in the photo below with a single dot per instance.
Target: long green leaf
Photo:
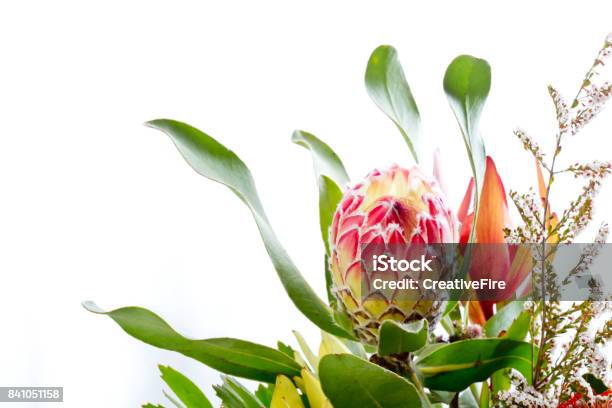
(467, 83)
(230, 356)
(184, 388)
(330, 174)
(388, 88)
(212, 160)
(455, 366)
(398, 338)
(350, 382)
(325, 160)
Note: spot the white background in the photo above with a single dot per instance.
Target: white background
(96, 206)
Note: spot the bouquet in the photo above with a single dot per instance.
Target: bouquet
(426, 305)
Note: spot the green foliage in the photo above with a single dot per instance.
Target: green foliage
(264, 394)
(396, 338)
(212, 160)
(502, 319)
(453, 367)
(467, 82)
(349, 382)
(230, 356)
(185, 390)
(388, 88)
(331, 177)
(235, 395)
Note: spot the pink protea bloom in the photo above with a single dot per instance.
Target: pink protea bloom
(398, 207)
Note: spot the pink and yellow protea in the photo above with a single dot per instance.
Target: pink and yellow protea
(397, 206)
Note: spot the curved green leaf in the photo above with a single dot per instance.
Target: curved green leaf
(350, 382)
(325, 160)
(184, 388)
(398, 338)
(467, 83)
(230, 356)
(388, 88)
(330, 174)
(212, 160)
(455, 366)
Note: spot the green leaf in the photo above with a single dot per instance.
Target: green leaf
(329, 198)
(596, 384)
(284, 348)
(149, 405)
(230, 356)
(398, 338)
(350, 382)
(510, 322)
(330, 174)
(173, 401)
(233, 394)
(212, 160)
(388, 88)
(467, 83)
(502, 319)
(264, 394)
(453, 367)
(184, 388)
(325, 160)
(519, 328)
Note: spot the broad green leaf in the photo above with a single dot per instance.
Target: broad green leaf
(388, 88)
(285, 394)
(184, 388)
(453, 367)
(467, 83)
(398, 338)
(235, 395)
(264, 394)
(350, 382)
(502, 319)
(149, 405)
(212, 160)
(230, 356)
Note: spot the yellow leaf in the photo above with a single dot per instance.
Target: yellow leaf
(331, 345)
(310, 356)
(315, 395)
(285, 394)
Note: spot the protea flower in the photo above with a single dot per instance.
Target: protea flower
(397, 206)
